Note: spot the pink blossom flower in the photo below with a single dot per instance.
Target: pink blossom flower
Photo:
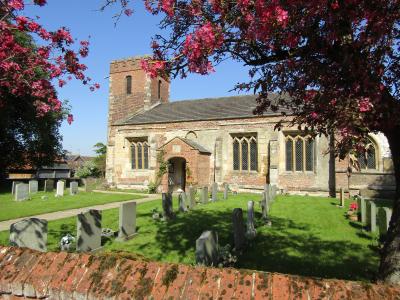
(70, 119)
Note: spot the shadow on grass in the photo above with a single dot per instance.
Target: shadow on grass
(286, 247)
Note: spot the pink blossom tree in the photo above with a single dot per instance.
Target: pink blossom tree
(28, 76)
(337, 59)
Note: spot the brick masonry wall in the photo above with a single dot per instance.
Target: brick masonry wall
(27, 274)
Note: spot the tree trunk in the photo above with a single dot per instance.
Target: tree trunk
(389, 269)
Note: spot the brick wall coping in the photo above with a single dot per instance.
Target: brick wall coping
(26, 273)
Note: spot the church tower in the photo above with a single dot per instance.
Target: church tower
(131, 91)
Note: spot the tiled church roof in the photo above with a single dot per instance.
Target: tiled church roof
(28, 274)
(199, 109)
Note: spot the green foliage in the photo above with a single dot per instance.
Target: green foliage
(162, 169)
(89, 169)
(152, 188)
(100, 159)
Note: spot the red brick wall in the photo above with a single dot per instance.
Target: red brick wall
(29, 274)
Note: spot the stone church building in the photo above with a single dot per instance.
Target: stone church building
(198, 142)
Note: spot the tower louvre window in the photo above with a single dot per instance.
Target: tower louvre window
(129, 84)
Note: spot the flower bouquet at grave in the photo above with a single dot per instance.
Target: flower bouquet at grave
(155, 214)
(352, 212)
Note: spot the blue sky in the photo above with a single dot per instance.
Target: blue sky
(130, 37)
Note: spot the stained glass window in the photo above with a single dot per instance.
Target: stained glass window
(133, 155)
(253, 155)
(309, 154)
(299, 152)
(367, 160)
(140, 155)
(289, 155)
(245, 153)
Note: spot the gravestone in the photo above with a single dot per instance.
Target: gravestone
(73, 188)
(388, 213)
(363, 207)
(88, 231)
(192, 197)
(266, 187)
(341, 197)
(273, 191)
(265, 205)
(182, 202)
(127, 221)
(21, 192)
(14, 184)
(168, 212)
(30, 233)
(60, 188)
(226, 191)
(204, 195)
(251, 230)
(368, 212)
(373, 216)
(49, 185)
(207, 249)
(33, 186)
(238, 229)
(214, 191)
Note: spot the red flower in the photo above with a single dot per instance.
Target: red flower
(353, 206)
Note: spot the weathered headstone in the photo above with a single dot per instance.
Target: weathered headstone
(265, 205)
(127, 220)
(73, 188)
(273, 192)
(60, 188)
(88, 231)
(30, 233)
(33, 186)
(192, 197)
(21, 192)
(182, 202)
(226, 191)
(266, 187)
(168, 212)
(49, 185)
(251, 230)
(363, 208)
(373, 216)
(341, 197)
(14, 184)
(238, 229)
(388, 213)
(214, 191)
(207, 249)
(204, 195)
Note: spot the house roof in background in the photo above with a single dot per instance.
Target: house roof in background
(201, 109)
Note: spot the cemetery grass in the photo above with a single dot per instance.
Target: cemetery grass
(309, 236)
(10, 209)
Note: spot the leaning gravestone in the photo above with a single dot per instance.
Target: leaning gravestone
(14, 184)
(49, 185)
(373, 216)
(214, 191)
(251, 230)
(127, 220)
(192, 199)
(238, 229)
(204, 195)
(33, 186)
(167, 206)
(30, 233)
(88, 231)
(182, 202)
(21, 192)
(60, 188)
(73, 188)
(226, 190)
(207, 249)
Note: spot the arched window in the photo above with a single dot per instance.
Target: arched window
(368, 159)
(245, 153)
(129, 84)
(191, 135)
(140, 155)
(299, 151)
(159, 89)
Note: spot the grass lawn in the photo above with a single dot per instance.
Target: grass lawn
(10, 209)
(309, 236)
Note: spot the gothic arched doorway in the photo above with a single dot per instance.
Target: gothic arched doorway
(176, 173)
